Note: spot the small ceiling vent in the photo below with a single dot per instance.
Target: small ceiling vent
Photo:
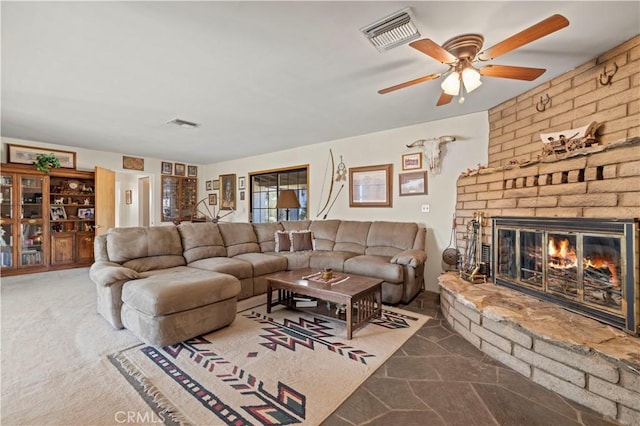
(392, 31)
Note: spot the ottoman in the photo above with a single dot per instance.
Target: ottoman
(171, 307)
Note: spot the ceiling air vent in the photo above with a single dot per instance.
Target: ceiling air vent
(392, 31)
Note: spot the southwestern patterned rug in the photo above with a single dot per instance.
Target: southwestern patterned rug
(282, 368)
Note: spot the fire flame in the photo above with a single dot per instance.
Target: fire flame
(563, 256)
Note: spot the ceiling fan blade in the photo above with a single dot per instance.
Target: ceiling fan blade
(409, 83)
(444, 99)
(431, 48)
(517, 73)
(534, 32)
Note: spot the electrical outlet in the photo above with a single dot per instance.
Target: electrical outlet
(425, 208)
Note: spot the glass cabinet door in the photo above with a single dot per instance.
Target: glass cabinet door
(6, 221)
(170, 189)
(188, 198)
(31, 221)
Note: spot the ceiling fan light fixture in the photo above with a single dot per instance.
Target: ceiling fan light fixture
(471, 79)
(451, 84)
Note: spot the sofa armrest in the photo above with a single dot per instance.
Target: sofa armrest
(107, 273)
(412, 258)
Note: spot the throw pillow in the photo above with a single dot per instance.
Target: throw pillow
(302, 241)
(283, 241)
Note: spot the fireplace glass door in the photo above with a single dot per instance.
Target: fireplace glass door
(587, 267)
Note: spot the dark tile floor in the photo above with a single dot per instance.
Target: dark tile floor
(438, 378)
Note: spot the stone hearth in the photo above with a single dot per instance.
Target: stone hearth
(580, 358)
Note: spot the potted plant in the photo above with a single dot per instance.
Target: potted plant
(45, 162)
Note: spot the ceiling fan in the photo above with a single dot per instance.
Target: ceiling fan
(461, 52)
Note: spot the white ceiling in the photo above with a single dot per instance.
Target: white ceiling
(258, 76)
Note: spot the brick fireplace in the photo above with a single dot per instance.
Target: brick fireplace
(536, 336)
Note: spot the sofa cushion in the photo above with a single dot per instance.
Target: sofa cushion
(178, 291)
(329, 259)
(295, 225)
(324, 233)
(264, 263)
(125, 244)
(375, 266)
(301, 241)
(352, 236)
(153, 263)
(238, 268)
(283, 242)
(297, 260)
(390, 238)
(265, 232)
(201, 240)
(239, 238)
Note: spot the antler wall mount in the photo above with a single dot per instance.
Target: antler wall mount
(461, 52)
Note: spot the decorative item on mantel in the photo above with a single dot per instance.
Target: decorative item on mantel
(569, 140)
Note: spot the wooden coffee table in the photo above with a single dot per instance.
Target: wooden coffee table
(361, 295)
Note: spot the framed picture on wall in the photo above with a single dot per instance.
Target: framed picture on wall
(21, 154)
(213, 199)
(208, 185)
(241, 182)
(215, 184)
(132, 163)
(412, 161)
(167, 168)
(192, 171)
(413, 183)
(180, 169)
(371, 186)
(228, 192)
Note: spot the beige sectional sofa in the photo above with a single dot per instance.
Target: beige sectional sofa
(170, 283)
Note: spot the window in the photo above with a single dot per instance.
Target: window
(264, 189)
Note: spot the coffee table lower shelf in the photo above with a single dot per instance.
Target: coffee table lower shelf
(354, 313)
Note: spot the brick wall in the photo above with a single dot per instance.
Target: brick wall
(602, 182)
(577, 98)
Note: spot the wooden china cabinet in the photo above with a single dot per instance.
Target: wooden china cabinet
(47, 220)
(179, 197)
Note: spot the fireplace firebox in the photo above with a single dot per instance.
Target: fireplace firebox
(586, 265)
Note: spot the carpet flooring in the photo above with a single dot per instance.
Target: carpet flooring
(55, 370)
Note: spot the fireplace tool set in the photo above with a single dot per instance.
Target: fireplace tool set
(473, 265)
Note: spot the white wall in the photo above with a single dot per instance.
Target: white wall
(468, 151)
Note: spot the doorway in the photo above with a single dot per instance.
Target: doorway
(134, 201)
